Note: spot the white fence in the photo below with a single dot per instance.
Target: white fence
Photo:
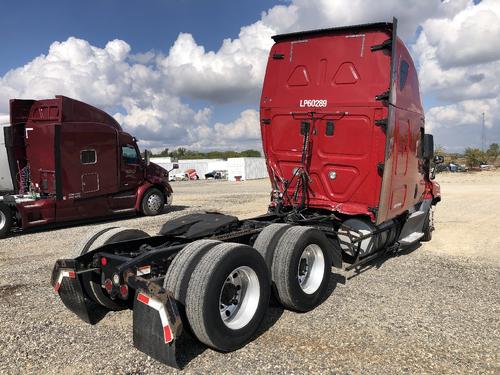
(247, 168)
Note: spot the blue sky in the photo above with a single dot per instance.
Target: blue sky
(145, 25)
(29, 26)
(189, 72)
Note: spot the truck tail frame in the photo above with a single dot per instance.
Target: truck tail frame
(133, 273)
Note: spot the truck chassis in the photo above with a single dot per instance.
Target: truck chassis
(131, 273)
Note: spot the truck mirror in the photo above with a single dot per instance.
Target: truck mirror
(146, 156)
(428, 146)
(438, 159)
(174, 166)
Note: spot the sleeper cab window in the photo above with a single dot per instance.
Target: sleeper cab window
(88, 156)
(129, 155)
(403, 74)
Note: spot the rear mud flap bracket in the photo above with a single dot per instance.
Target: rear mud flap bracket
(67, 284)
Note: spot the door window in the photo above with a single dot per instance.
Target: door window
(88, 156)
(129, 155)
(403, 74)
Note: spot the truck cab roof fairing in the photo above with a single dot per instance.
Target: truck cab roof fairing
(333, 30)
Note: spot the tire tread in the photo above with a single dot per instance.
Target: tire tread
(267, 240)
(197, 287)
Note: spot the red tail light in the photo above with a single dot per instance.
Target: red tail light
(124, 290)
(108, 285)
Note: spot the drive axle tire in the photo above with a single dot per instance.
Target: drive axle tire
(5, 220)
(95, 238)
(87, 241)
(152, 202)
(302, 268)
(228, 295)
(428, 227)
(267, 240)
(180, 270)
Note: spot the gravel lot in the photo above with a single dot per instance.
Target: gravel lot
(433, 309)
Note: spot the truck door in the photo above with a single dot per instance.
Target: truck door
(131, 167)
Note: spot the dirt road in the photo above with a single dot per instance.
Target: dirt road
(432, 310)
(467, 220)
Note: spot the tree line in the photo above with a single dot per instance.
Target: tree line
(184, 153)
(474, 157)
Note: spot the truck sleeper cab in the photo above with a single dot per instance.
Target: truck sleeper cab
(350, 164)
(70, 161)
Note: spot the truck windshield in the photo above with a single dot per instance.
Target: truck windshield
(130, 155)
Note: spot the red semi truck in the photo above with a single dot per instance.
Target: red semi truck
(65, 160)
(350, 164)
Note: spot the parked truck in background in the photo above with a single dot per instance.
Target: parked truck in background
(63, 160)
(350, 164)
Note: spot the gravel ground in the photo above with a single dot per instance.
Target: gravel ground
(433, 309)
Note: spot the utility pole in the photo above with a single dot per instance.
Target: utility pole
(482, 135)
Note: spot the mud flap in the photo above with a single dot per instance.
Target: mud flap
(157, 327)
(67, 283)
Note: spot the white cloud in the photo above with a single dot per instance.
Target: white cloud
(308, 14)
(470, 37)
(242, 133)
(466, 112)
(459, 56)
(457, 51)
(459, 65)
(457, 126)
(233, 73)
(105, 78)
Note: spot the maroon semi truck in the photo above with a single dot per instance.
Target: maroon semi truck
(352, 179)
(66, 160)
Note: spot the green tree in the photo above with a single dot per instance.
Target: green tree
(250, 153)
(439, 150)
(474, 156)
(162, 153)
(183, 153)
(493, 152)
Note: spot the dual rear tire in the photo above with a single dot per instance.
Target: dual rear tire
(299, 259)
(223, 291)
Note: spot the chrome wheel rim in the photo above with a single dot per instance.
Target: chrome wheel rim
(239, 297)
(3, 220)
(154, 202)
(311, 269)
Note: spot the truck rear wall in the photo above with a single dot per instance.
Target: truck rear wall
(337, 77)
